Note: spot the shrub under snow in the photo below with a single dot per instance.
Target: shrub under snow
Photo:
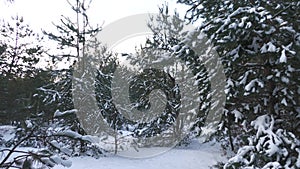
(270, 148)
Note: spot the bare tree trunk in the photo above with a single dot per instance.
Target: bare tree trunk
(116, 141)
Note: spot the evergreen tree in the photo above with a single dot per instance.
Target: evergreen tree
(73, 35)
(20, 53)
(72, 39)
(168, 45)
(18, 57)
(258, 42)
(80, 50)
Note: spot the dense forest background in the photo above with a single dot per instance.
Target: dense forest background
(258, 44)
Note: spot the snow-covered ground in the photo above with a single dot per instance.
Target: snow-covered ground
(195, 156)
(7, 132)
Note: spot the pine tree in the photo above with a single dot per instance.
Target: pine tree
(20, 53)
(73, 35)
(258, 42)
(73, 39)
(167, 46)
(18, 58)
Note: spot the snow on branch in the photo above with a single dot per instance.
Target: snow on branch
(59, 113)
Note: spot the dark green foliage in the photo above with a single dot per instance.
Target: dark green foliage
(18, 100)
(258, 42)
(167, 41)
(30, 96)
(18, 58)
(19, 75)
(170, 41)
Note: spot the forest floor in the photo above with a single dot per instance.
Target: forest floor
(194, 156)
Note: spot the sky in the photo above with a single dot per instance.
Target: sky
(40, 14)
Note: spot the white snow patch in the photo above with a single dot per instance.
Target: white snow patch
(284, 102)
(256, 109)
(298, 160)
(248, 25)
(285, 79)
(28, 124)
(59, 113)
(237, 114)
(192, 157)
(7, 132)
(269, 47)
(251, 84)
(272, 48)
(175, 48)
(282, 58)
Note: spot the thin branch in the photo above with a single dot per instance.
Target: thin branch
(16, 146)
(282, 10)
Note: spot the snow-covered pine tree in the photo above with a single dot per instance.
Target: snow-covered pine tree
(51, 142)
(167, 44)
(73, 35)
(269, 148)
(258, 42)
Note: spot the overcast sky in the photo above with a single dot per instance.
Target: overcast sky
(40, 14)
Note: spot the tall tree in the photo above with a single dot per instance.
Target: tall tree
(20, 53)
(73, 39)
(167, 47)
(258, 42)
(73, 35)
(20, 48)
